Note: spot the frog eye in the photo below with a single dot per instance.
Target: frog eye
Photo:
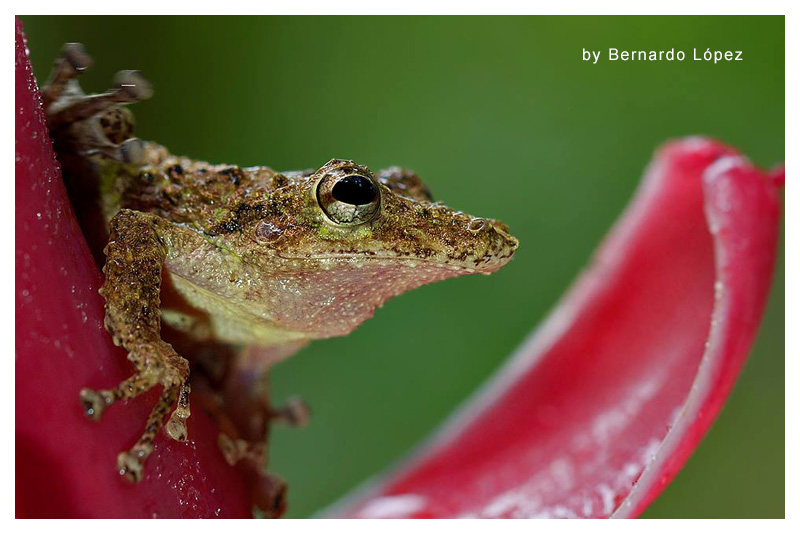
(348, 200)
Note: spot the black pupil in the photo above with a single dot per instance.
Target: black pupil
(355, 190)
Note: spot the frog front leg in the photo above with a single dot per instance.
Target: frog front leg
(134, 259)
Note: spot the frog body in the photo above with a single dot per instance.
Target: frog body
(253, 250)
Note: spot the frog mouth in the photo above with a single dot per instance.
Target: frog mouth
(486, 265)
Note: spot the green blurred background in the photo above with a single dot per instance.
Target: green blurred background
(502, 118)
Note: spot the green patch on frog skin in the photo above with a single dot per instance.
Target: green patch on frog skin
(222, 246)
(110, 173)
(325, 231)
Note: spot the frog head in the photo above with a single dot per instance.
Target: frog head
(342, 240)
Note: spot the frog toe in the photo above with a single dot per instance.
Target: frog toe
(131, 463)
(269, 496)
(295, 413)
(95, 402)
(132, 84)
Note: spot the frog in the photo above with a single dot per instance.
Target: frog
(257, 261)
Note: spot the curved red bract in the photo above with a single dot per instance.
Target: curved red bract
(66, 464)
(601, 407)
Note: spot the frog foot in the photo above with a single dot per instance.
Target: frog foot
(295, 413)
(236, 450)
(268, 491)
(95, 123)
(176, 426)
(131, 463)
(269, 496)
(95, 402)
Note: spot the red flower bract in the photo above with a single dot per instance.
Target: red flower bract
(592, 417)
(601, 407)
(65, 464)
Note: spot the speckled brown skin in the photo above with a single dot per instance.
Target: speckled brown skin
(247, 257)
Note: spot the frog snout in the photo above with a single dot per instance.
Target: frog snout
(501, 244)
(504, 242)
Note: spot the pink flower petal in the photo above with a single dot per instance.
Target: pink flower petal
(601, 407)
(65, 464)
